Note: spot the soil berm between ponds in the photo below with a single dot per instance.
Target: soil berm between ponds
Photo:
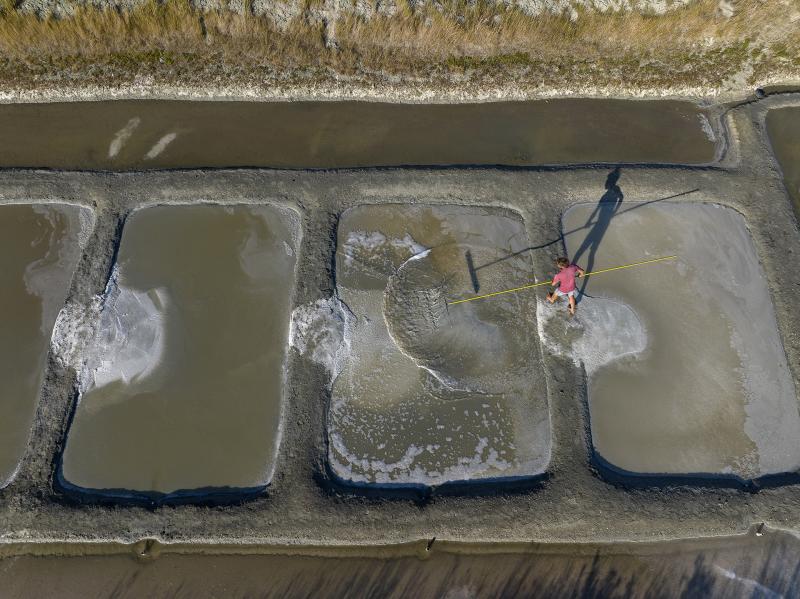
(304, 504)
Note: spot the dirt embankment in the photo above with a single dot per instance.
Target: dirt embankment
(396, 50)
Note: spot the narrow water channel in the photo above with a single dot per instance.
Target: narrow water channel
(783, 127)
(149, 134)
(750, 566)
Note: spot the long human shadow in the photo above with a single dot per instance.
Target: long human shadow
(474, 269)
(599, 221)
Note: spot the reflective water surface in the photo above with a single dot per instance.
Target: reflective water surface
(430, 394)
(687, 370)
(39, 249)
(146, 134)
(183, 385)
(765, 566)
(783, 127)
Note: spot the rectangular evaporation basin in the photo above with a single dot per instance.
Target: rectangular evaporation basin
(144, 134)
(687, 372)
(430, 394)
(39, 249)
(783, 128)
(182, 389)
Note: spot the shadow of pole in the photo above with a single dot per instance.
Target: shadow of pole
(476, 286)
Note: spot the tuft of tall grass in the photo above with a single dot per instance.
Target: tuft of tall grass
(685, 44)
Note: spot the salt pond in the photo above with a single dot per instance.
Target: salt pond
(783, 127)
(183, 384)
(687, 373)
(429, 394)
(39, 249)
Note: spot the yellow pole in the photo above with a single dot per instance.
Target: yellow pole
(588, 274)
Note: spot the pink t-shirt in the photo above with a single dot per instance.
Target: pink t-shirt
(567, 278)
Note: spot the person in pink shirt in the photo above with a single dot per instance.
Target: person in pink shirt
(564, 283)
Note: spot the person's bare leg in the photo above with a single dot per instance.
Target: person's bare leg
(552, 297)
(572, 305)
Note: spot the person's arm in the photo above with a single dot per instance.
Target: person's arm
(555, 282)
(581, 272)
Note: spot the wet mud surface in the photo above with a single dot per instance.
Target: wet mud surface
(182, 386)
(687, 371)
(149, 134)
(39, 249)
(303, 507)
(783, 127)
(750, 566)
(430, 394)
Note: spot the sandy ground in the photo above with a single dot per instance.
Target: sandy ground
(304, 505)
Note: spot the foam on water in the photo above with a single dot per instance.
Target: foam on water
(602, 331)
(160, 146)
(426, 394)
(47, 272)
(442, 343)
(122, 136)
(705, 124)
(359, 243)
(320, 331)
(188, 355)
(130, 338)
(708, 391)
(485, 460)
(74, 329)
(39, 250)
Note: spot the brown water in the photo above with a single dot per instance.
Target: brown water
(767, 566)
(687, 371)
(39, 250)
(783, 127)
(183, 386)
(148, 134)
(417, 401)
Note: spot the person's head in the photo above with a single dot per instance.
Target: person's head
(562, 263)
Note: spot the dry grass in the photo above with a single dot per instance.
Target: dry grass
(694, 45)
(489, 29)
(169, 26)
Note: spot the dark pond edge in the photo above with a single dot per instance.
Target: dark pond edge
(658, 480)
(210, 496)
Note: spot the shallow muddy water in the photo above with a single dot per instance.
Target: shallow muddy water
(697, 379)
(149, 134)
(39, 249)
(183, 383)
(429, 395)
(751, 566)
(783, 127)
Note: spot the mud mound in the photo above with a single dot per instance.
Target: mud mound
(451, 344)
